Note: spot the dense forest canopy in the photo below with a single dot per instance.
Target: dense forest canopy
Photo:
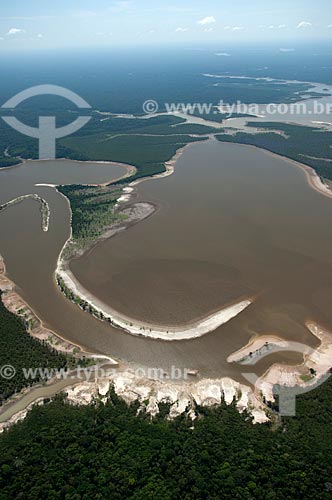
(61, 451)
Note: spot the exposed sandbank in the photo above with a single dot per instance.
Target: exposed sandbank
(257, 348)
(316, 364)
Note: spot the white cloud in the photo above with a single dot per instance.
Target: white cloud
(280, 27)
(40, 35)
(207, 20)
(287, 50)
(234, 28)
(303, 24)
(222, 54)
(14, 31)
(272, 27)
(208, 30)
(181, 30)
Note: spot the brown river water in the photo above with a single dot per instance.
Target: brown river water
(232, 222)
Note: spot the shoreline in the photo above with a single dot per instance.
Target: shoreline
(194, 329)
(102, 162)
(313, 179)
(149, 392)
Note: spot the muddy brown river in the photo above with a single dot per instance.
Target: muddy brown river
(232, 222)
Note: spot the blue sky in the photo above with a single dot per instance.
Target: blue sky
(71, 23)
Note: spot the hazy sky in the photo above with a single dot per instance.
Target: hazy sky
(61, 23)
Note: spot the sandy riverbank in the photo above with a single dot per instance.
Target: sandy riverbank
(15, 304)
(130, 325)
(312, 177)
(181, 396)
(149, 392)
(257, 348)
